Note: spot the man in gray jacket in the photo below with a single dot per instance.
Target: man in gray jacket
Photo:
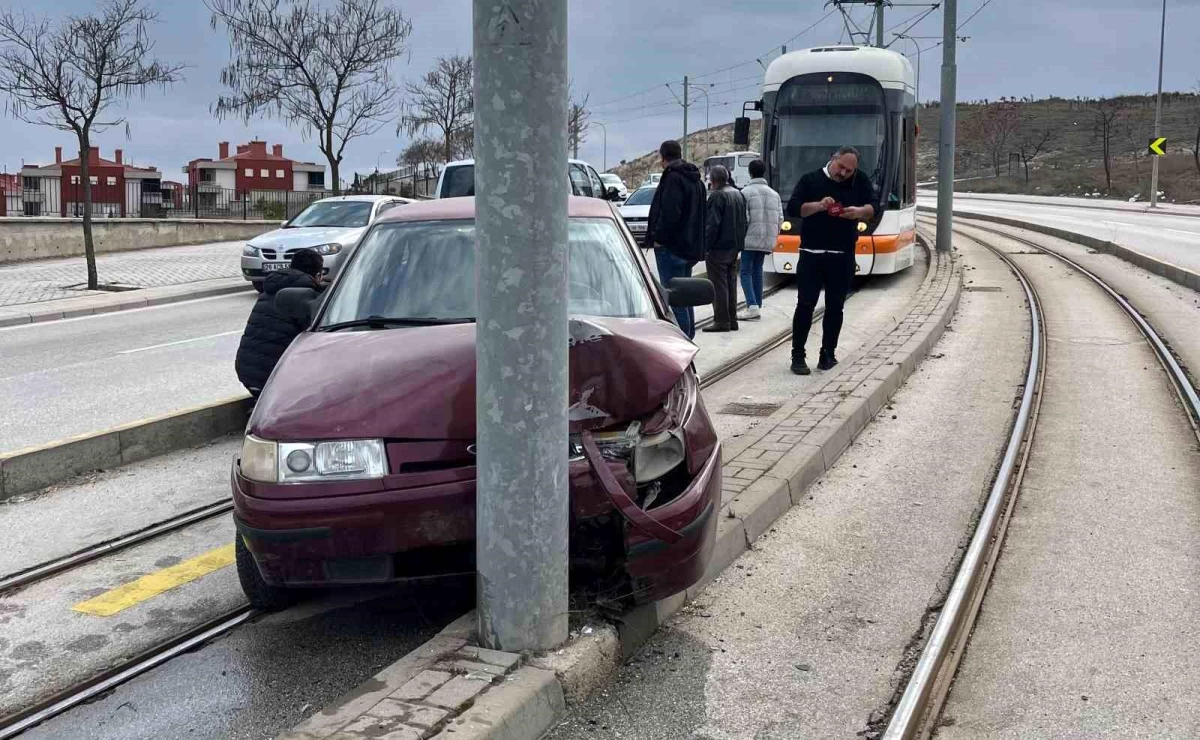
(766, 216)
(724, 238)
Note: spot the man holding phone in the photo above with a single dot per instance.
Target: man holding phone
(831, 203)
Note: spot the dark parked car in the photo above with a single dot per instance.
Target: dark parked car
(358, 462)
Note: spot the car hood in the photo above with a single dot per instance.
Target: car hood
(307, 237)
(635, 211)
(419, 383)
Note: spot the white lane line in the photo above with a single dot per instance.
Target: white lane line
(181, 341)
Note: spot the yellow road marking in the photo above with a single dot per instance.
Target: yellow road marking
(153, 584)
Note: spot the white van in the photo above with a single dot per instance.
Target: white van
(738, 164)
(458, 180)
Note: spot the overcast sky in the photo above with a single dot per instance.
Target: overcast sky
(624, 52)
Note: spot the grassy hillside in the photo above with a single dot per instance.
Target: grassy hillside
(1072, 163)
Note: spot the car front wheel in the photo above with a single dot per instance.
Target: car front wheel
(261, 595)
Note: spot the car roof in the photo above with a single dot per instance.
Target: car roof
(460, 162)
(367, 198)
(448, 209)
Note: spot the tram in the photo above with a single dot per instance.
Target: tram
(817, 100)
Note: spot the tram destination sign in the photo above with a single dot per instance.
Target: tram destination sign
(836, 93)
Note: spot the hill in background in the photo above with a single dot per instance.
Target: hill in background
(991, 136)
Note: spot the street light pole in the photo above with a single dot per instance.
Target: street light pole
(945, 202)
(521, 331)
(702, 91)
(917, 91)
(685, 112)
(1162, 38)
(604, 128)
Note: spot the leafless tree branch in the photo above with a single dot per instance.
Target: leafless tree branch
(324, 68)
(443, 101)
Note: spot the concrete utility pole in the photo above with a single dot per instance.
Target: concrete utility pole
(685, 111)
(522, 506)
(1162, 38)
(945, 203)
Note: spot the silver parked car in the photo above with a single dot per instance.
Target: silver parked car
(331, 226)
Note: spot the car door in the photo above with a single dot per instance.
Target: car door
(581, 184)
(598, 186)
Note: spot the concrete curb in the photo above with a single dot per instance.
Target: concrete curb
(69, 308)
(1168, 270)
(34, 468)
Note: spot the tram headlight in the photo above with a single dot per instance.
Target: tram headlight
(862, 226)
(785, 226)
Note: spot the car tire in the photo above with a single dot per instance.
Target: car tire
(261, 595)
(259, 287)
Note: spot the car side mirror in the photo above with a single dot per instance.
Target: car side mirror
(613, 194)
(689, 292)
(283, 223)
(298, 304)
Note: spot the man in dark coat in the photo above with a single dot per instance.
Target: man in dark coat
(725, 238)
(267, 333)
(675, 225)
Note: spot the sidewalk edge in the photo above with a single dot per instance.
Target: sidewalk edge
(70, 308)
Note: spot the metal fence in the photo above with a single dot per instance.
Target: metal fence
(407, 184)
(50, 197)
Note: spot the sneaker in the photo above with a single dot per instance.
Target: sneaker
(750, 314)
(826, 361)
(800, 367)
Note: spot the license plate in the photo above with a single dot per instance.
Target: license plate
(637, 227)
(273, 266)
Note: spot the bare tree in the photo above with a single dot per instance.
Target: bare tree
(1106, 126)
(1032, 140)
(1195, 119)
(578, 120)
(324, 69)
(993, 127)
(444, 102)
(67, 77)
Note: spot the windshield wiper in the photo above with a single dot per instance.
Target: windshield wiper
(383, 322)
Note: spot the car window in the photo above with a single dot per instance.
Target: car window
(641, 197)
(610, 179)
(597, 184)
(426, 270)
(458, 182)
(347, 213)
(580, 184)
(744, 160)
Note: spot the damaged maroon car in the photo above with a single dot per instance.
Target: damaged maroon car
(358, 463)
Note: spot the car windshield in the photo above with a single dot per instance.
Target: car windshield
(610, 179)
(348, 213)
(640, 197)
(425, 272)
(458, 182)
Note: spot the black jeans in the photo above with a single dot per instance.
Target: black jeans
(814, 273)
(722, 272)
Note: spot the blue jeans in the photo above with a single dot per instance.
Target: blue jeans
(670, 266)
(752, 271)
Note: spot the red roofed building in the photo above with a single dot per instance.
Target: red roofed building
(251, 169)
(118, 189)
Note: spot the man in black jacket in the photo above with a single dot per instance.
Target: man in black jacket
(267, 333)
(675, 225)
(830, 203)
(724, 239)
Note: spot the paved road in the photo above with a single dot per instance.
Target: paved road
(1173, 236)
(48, 280)
(83, 375)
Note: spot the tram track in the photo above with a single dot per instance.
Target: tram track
(918, 710)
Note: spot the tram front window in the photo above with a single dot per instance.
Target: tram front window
(805, 142)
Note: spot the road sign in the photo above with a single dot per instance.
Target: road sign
(1156, 146)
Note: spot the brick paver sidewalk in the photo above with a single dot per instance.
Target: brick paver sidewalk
(49, 280)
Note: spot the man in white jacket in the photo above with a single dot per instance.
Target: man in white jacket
(766, 216)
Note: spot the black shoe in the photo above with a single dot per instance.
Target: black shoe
(733, 327)
(826, 361)
(800, 367)
(715, 329)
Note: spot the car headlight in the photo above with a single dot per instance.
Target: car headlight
(249, 251)
(305, 462)
(328, 249)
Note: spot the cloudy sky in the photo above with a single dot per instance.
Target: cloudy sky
(623, 53)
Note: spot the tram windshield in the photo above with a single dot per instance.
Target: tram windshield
(812, 120)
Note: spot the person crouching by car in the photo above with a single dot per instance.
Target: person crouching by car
(267, 333)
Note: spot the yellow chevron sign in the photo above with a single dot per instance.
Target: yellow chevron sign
(1156, 146)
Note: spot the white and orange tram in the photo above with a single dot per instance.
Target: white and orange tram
(817, 100)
